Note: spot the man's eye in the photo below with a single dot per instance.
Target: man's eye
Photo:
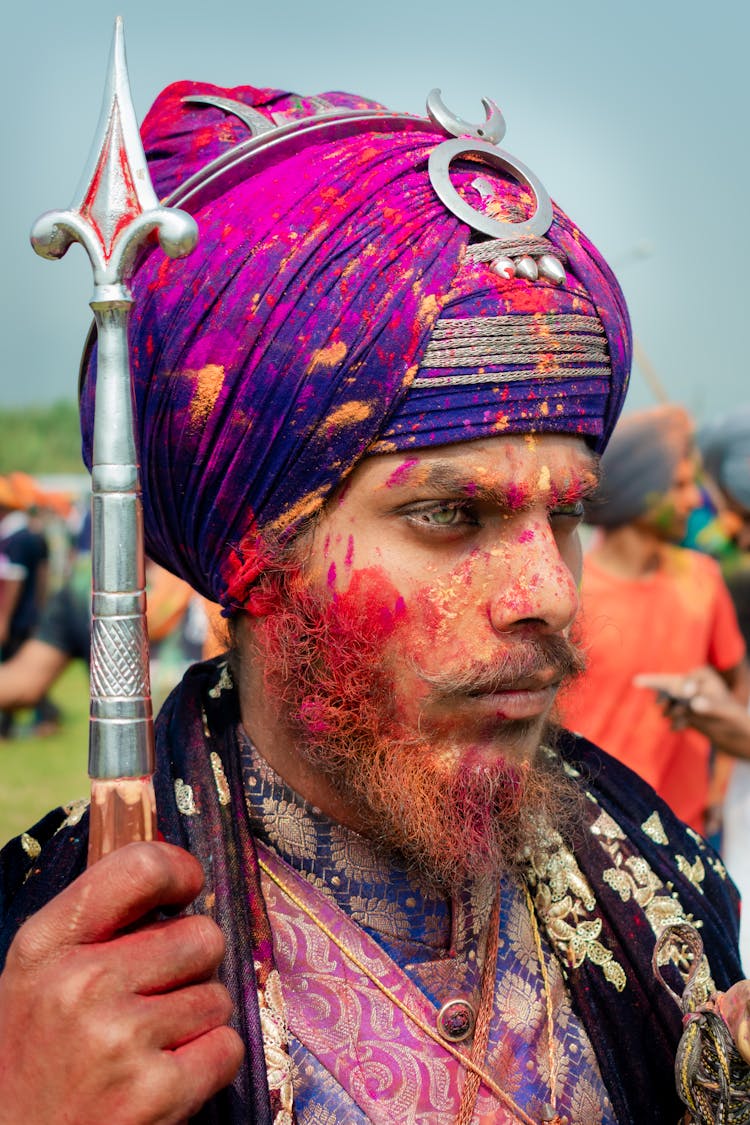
(567, 511)
(441, 515)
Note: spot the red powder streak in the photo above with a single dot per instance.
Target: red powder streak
(349, 557)
(517, 496)
(398, 475)
(370, 597)
(332, 575)
(526, 536)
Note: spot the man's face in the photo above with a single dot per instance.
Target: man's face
(472, 551)
(415, 657)
(668, 516)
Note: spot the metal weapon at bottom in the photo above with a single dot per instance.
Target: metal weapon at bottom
(115, 210)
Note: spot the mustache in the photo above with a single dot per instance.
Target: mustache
(553, 658)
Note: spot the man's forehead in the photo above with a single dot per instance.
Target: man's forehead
(491, 463)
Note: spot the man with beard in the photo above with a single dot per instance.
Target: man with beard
(369, 410)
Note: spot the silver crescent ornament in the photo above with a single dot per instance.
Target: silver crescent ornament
(480, 140)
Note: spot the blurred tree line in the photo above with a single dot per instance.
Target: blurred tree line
(41, 439)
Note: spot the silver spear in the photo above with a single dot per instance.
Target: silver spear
(115, 210)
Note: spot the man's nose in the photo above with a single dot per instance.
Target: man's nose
(535, 587)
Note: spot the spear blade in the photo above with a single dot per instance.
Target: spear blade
(115, 210)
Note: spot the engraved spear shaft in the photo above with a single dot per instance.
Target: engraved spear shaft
(115, 211)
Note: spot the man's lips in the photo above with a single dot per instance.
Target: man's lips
(522, 699)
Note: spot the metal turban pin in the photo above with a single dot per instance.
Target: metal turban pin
(517, 248)
(511, 248)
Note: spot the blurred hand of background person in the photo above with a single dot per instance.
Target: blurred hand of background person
(702, 700)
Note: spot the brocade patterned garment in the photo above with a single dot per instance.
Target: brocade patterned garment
(359, 1060)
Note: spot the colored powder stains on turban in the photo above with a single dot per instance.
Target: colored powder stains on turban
(348, 414)
(207, 387)
(285, 347)
(327, 357)
(638, 467)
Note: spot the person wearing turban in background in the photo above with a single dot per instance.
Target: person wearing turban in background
(367, 434)
(708, 704)
(650, 607)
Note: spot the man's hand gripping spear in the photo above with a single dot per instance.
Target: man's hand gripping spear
(109, 1012)
(117, 210)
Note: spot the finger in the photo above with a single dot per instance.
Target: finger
(734, 1008)
(701, 705)
(208, 1064)
(177, 1018)
(113, 894)
(168, 954)
(659, 682)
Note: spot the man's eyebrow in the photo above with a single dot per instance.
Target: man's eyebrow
(444, 476)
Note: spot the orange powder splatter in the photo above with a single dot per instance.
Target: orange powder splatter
(350, 413)
(327, 357)
(207, 384)
(305, 506)
(429, 307)
(544, 480)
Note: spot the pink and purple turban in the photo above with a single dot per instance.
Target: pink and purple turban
(334, 308)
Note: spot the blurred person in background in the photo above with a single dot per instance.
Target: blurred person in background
(703, 701)
(650, 606)
(25, 547)
(176, 628)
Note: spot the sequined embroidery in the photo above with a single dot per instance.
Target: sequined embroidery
(183, 794)
(31, 846)
(632, 877)
(566, 906)
(224, 682)
(222, 787)
(654, 829)
(275, 1034)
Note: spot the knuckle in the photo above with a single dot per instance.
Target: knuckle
(115, 1039)
(82, 979)
(207, 939)
(232, 1049)
(145, 867)
(29, 946)
(219, 1002)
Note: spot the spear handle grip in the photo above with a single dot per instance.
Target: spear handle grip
(121, 738)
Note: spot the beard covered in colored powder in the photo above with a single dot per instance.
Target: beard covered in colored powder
(451, 809)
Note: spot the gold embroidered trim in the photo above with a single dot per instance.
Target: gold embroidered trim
(75, 811)
(654, 829)
(632, 877)
(695, 872)
(717, 867)
(31, 846)
(184, 797)
(224, 683)
(275, 1034)
(222, 787)
(563, 899)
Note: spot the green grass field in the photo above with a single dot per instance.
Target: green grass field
(36, 774)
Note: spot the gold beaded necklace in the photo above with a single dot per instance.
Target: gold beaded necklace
(474, 1063)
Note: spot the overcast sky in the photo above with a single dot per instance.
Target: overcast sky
(633, 114)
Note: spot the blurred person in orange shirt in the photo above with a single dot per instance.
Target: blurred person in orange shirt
(652, 607)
